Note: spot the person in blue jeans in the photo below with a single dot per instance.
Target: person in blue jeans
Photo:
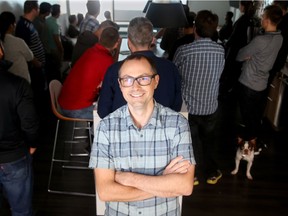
(19, 128)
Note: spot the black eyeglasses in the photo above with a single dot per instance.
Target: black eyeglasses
(128, 81)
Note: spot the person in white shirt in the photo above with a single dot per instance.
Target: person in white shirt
(16, 50)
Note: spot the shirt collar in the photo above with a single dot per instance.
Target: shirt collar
(148, 53)
(88, 16)
(154, 120)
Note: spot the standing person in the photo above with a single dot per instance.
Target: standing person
(168, 93)
(81, 86)
(25, 30)
(227, 28)
(188, 35)
(72, 30)
(134, 147)
(18, 140)
(238, 39)
(16, 50)
(258, 57)
(55, 50)
(88, 39)
(283, 52)
(107, 15)
(90, 22)
(39, 23)
(80, 18)
(201, 64)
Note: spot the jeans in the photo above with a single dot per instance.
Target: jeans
(16, 184)
(203, 140)
(85, 113)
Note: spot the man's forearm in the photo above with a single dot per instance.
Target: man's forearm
(111, 191)
(162, 186)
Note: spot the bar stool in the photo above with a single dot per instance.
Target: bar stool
(55, 87)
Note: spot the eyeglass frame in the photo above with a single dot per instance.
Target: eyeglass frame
(136, 78)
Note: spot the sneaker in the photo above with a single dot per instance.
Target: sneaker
(196, 181)
(214, 179)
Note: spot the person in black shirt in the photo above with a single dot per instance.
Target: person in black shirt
(188, 35)
(226, 30)
(19, 127)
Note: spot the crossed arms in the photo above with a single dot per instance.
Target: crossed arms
(176, 180)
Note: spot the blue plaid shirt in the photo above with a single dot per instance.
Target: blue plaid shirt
(90, 23)
(120, 145)
(200, 65)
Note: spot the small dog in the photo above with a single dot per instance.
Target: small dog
(245, 151)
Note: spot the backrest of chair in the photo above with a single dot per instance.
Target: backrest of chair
(55, 87)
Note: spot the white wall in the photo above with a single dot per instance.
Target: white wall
(218, 7)
(14, 6)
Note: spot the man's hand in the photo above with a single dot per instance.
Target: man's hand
(177, 165)
(32, 150)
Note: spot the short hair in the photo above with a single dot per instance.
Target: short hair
(72, 19)
(282, 4)
(109, 37)
(140, 31)
(6, 19)
(206, 23)
(109, 23)
(93, 7)
(55, 10)
(80, 17)
(45, 7)
(229, 14)
(249, 8)
(107, 14)
(138, 56)
(190, 19)
(30, 5)
(273, 13)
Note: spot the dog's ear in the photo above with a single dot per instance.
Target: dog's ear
(241, 141)
(251, 145)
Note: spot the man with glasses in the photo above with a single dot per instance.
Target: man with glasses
(142, 153)
(168, 93)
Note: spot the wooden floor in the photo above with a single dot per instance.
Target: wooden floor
(266, 195)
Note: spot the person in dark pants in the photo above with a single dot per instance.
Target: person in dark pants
(200, 65)
(26, 30)
(18, 140)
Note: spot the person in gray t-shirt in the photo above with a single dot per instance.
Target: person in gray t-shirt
(258, 58)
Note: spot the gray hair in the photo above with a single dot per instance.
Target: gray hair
(140, 31)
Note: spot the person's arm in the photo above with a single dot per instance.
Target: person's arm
(162, 186)
(109, 180)
(111, 191)
(25, 50)
(106, 96)
(32, 150)
(28, 116)
(117, 50)
(178, 95)
(249, 50)
(57, 40)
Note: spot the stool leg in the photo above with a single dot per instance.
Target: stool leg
(53, 154)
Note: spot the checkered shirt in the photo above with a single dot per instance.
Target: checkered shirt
(200, 65)
(120, 145)
(90, 23)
